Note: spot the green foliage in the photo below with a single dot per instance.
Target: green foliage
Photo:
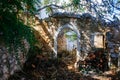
(81, 8)
(48, 10)
(13, 31)
(16, 5)
(46, 2)
(33, 51)
(71, 37)
(75, 2)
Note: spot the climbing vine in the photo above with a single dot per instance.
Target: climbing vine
(12, 29)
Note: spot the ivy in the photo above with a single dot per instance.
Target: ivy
(12, 30)
(75, 2)
(13, 33)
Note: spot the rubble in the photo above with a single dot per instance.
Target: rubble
(42, 67)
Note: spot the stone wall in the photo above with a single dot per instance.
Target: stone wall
(47, 28)
(62, 44)
(10, 62)
(45, 32)
(86, 25)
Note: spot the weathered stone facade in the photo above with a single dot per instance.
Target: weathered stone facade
(84, 26)
(47, 32)
(61, 42)
(10, 62)
(80, 23)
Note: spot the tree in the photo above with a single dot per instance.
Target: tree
(103, 9)
(12, 28)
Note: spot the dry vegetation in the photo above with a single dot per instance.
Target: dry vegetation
(42, 67)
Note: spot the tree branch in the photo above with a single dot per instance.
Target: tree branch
(50, 5)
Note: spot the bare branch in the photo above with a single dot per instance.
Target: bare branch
(50, 5)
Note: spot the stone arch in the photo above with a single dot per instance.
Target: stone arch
(75, 29)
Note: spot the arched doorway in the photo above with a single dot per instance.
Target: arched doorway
(75, 29)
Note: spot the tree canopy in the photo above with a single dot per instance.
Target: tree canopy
(13, 28)
(102, 9)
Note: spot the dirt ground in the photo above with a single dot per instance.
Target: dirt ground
(41, 67)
